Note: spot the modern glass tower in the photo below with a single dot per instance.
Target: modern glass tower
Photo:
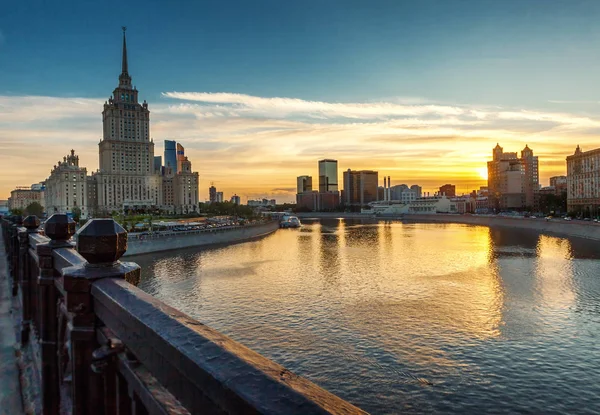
(171, 156)
(328, 176)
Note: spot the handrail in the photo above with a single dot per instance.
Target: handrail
(193, 360)
(102, 345)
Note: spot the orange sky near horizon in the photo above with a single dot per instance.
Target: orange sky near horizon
(255, 147)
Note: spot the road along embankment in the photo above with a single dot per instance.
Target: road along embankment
(146, 244)
(560, 227)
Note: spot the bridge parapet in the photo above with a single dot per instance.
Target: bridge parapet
(103, 346)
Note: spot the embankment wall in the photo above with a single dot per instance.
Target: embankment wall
(179, 240)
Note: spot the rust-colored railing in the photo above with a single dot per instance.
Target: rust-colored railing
(103, 346)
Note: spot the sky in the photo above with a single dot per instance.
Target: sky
(257, 92)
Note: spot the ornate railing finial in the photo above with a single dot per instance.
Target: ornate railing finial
(31, 222)
(101, 241)
(59, 227)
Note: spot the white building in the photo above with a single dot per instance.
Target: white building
(431, 205)
(66, 188)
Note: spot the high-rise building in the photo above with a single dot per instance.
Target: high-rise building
(304, 184)
(66, 188)
(583, 182)
(513, 182)
(180, 156)
(360, 187)
(126, 179)
(235, 199)
(212, 194)
(449, 190)
(129, 176)
(219, 197)
(328, 175)
(170, 158)
(158, 165)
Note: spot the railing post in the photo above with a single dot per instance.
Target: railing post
(31, 224)
(101, 242)
(59, 228)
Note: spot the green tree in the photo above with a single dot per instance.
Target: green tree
(16, 211)
(76, 213)
(34, 209)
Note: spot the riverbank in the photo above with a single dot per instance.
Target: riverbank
(588, 230)
(146, 244)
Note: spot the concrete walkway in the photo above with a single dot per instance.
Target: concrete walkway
(10, 388)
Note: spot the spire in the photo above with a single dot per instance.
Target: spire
(124, 62)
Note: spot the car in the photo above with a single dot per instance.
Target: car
(587, 219)
(567, 218)
(533, 217)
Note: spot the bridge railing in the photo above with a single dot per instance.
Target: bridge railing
(103, 346)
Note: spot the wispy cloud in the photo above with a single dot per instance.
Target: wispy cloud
(256, 146)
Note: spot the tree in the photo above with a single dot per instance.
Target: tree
(76, 213)
(16, 212)
(34, 209)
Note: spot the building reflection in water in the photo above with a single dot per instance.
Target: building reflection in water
(362, 307)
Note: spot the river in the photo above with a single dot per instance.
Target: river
(412, 318)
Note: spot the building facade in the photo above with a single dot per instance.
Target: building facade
(559, 183)
(130, 177)
(23, 196)
(303, 184)
(212, 194)
(170, 154)
(513, 182)
(66, 187)
(448, 190)
(360, 187)
(235, 199)
(328, 175)
(126, 179)
(583, 182)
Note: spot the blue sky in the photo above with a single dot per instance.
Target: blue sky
(492, 56)
(492, 52)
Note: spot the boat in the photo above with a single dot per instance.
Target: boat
(289, 222)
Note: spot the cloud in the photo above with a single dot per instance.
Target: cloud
(256, 146)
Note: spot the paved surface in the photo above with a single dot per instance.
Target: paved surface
(10, 388)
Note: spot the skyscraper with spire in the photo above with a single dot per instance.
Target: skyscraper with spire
(126, 178)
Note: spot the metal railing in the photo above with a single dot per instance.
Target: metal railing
(105, 347)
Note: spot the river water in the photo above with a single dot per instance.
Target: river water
(417, 318)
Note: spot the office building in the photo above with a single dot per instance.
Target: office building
(180, 156)
(513, 181)
(583, 182)
(360, 187)
(158, 165)
(304, 184)
(170, 157)
(449, 190)
(219, 197)
(328, 175)
(212, 194)
(235, 199)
